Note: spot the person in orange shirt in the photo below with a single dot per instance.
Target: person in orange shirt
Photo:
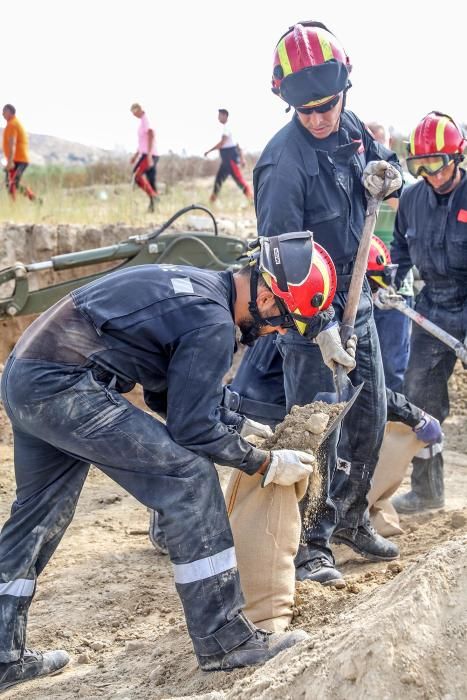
(15, 149)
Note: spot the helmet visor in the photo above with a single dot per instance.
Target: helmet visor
(429, 164)
(321, 109)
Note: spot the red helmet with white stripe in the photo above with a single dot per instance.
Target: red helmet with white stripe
(310, 65)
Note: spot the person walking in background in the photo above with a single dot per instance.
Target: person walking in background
(231, 160)
(392, 326)
(145, 159)
(16, 151)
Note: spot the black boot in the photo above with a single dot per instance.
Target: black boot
(33, 665)
(427, 486)
(366, 542)
(322, 570)
(258, 649)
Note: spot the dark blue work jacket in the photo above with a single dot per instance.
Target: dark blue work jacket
(171, 329)
(433, 236)
(300, 187)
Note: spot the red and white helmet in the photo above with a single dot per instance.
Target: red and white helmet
(310, 65)
(299, 272)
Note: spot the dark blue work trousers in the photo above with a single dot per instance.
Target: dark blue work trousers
(65, 417)
(394, 338)
(305, 375)
(430, 366)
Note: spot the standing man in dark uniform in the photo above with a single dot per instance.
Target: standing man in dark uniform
(172, 330)
(315, 174)
(431, 233)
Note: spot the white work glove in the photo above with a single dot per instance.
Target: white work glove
(374, 174)
(332, 350)
(287, 467)
(385, 298)
(251, 427)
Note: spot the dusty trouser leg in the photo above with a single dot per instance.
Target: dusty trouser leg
(431, 364)
(364, 430)
(88, 419)
(305, 375)
(48, 485)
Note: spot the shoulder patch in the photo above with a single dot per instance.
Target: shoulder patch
(182, 285)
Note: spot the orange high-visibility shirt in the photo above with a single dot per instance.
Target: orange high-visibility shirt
(14, 129)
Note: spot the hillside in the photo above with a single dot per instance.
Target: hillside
(46, 150)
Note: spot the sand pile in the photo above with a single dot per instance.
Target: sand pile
(406, 639)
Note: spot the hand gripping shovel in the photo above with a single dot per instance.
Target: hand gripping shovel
(346, 392)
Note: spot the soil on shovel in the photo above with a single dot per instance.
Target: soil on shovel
(302, 429)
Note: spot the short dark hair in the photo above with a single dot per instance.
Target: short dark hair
(224, 111)
(10, 108)
(245, 271)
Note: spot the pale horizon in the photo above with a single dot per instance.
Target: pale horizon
(77, 68)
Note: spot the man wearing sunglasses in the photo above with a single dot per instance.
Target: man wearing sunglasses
(314, 174)
(431, 233)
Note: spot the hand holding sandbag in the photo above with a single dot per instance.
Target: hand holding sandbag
(376, 173)
(287, 467)
(333, 351)
(428, 430)
(252, 427)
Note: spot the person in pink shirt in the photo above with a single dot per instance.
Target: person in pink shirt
(145, 159)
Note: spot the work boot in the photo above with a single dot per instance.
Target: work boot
(427, 486)
(156, 536)
(321, 570)
(366, 542)
(258, 649)
(152, 201)
(33, 665)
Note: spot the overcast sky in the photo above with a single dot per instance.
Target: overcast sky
(72, 68)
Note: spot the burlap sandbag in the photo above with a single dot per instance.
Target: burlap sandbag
(266, 529)
(400, 445)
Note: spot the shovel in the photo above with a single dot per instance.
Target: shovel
(346, 392)
(386, 300)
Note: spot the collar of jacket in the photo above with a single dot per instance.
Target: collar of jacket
(349, 141)
(432, 199)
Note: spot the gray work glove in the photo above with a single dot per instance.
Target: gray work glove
(374, 176)
(332, 350)
(251, 427)
(287, 467)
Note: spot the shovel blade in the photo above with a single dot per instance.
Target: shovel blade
(349, 400)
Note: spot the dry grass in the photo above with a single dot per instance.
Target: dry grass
(103, 194)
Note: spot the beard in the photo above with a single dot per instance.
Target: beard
(249, 330)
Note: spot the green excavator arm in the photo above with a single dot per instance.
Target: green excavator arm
(201, 249)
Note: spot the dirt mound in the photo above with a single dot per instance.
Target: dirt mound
(406, 639)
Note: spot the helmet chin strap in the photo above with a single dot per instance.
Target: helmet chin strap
(445, 188)
(258, 320)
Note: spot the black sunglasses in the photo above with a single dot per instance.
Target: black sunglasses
(320, 109)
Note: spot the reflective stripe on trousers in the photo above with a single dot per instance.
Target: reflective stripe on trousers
(73, 420)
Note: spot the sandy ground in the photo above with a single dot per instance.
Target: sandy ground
(395, 631)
